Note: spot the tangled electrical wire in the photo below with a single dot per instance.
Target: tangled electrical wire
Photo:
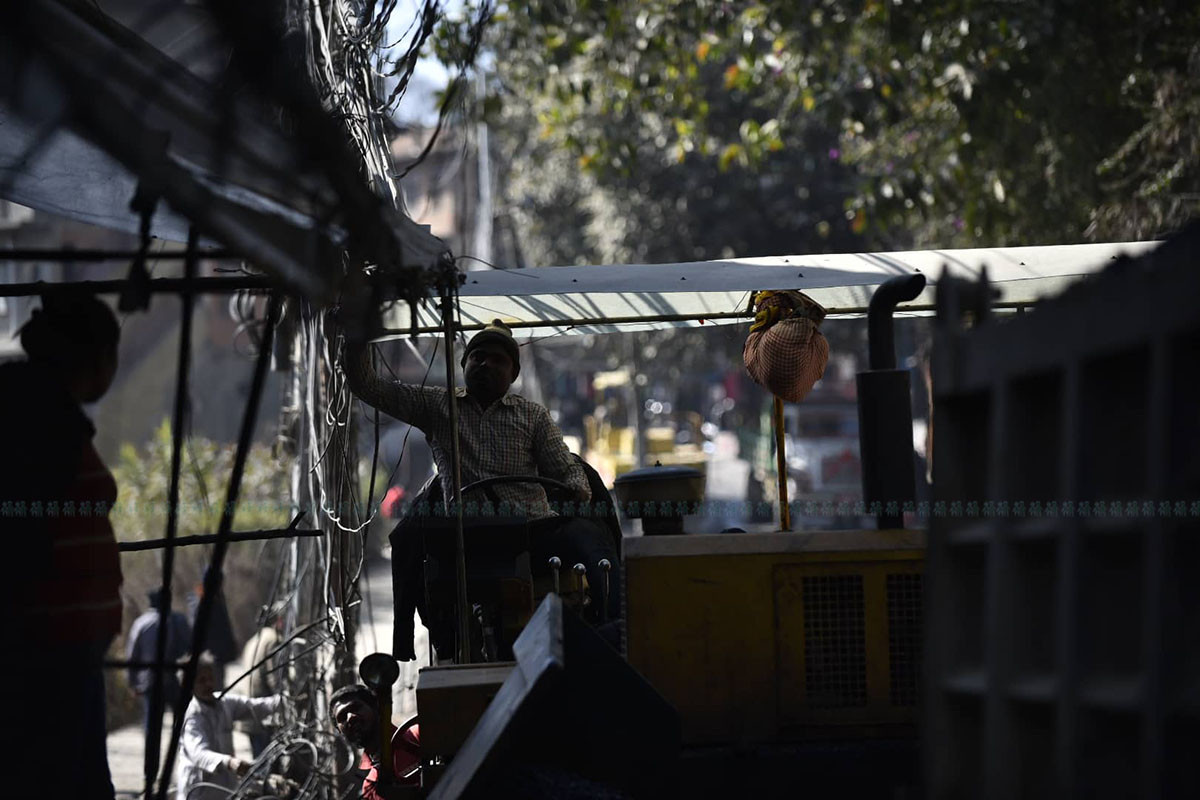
(248, 310)
(351, 65)
(302, 762)
(304, 759)
(313, 582)
(313, 579)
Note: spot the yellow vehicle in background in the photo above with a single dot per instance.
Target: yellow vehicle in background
(612, 449)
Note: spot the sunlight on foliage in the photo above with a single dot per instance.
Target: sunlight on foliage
(988, 125)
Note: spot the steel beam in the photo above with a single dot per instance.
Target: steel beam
(157, 286)
(64, 255)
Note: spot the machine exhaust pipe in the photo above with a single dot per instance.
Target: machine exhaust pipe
(885, 409)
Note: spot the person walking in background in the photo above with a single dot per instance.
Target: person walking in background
(218, 638)
(142, 646)
(61, 593)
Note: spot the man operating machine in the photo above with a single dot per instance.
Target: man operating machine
(501, 435)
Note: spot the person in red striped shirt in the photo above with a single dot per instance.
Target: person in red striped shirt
(64, 573)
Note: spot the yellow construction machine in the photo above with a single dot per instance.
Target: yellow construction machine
(746, 664)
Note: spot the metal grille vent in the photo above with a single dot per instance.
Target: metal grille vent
(835, 655)
(904, 592)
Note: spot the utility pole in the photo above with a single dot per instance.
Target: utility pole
(482, 239)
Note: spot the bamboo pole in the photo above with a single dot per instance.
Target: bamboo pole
(243, 536)
(156, 286)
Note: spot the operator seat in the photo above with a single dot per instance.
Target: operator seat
(409, 552)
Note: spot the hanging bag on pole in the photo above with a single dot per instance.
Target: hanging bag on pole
(786, 352)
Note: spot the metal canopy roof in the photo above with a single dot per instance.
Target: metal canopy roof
(603, 299)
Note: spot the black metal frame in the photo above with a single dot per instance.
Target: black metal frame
(1060, 636)
(154, 729)
(187, 288)
(583, 322)
(324, 178)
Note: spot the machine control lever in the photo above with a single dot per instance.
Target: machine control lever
(605, 565)
(555, 565)
(487, 632)
(580, 571)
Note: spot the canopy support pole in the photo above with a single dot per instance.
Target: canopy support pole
(785, 511)
(462, 644)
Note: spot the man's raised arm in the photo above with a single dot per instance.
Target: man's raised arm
(405, 402)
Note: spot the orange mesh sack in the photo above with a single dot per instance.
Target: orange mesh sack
(786, 352)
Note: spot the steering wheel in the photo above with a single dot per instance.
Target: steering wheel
(548, 483)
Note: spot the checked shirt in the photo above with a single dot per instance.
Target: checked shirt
(512, 436)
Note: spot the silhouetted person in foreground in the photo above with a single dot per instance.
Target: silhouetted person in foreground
(63, 570)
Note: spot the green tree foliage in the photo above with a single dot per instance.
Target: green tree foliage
(142, 476)
(1153, 180)
(672, 129)
(624, 143)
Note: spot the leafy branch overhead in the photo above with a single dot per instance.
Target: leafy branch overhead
(914, 123)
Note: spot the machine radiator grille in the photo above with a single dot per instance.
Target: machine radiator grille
(835, 653)
(904, 637)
